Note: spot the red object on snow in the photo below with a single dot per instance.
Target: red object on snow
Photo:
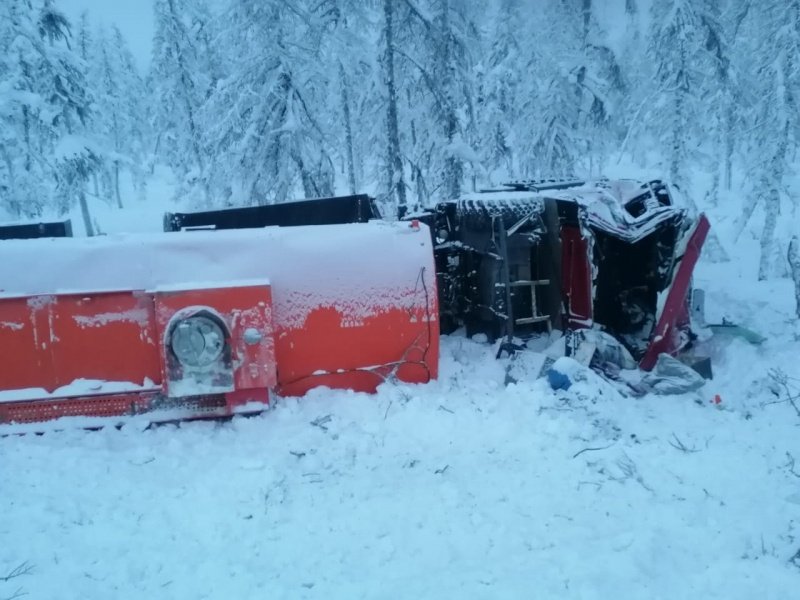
(576, 275)
(666, 337)
(211, 323)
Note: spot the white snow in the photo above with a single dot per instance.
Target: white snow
(139, 316)
(74, 146)
(207, 285)
(459, 488)
(79, 387)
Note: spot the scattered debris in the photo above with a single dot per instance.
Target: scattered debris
(558, 380)
(321, 422)
(730, 329)
(679, 445)
(671, 376)
(579, 452)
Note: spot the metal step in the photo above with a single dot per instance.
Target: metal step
(529, 282)
(530, 320)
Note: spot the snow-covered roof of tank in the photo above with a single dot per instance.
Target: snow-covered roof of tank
(332, 261)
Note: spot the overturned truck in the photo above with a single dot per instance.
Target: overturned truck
(324, 292)
(540, 255)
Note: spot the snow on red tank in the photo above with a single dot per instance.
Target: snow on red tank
(211, 322)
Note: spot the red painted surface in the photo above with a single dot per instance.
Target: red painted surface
(50, 341)
(400, 343)
(576, 277)
(120, 337)
(666, 335)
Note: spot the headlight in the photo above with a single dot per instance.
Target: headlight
(197, 341)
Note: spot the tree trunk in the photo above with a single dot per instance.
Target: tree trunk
(771, 182)
(348, 129)
(676, 145)
(586, 11)
(713, 193)
(747, 212)
(87, 217)
(453, 167)
(155, 153)
(394, 163)
(728, 137)
(794, 263)
(772, 207)
(116, 184)
(118, 150)
(13, 202)
(194, 133)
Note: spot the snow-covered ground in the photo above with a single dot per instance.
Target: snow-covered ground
(462, 488)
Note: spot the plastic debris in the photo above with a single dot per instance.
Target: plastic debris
(671, 376)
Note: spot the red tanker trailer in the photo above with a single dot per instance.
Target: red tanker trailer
(211, 323)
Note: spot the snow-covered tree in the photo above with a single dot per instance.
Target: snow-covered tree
(500, 80)
(346, 50)
(777, 118)
(119, 111)
(44, 145)
(25, 171)
(263, 130)
(793, 257)
(179, 83)
(681, 32)
(64, 86)
(394, 168)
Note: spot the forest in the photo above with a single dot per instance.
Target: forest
(260, 101)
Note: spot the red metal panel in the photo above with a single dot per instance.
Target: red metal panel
(50, 341)
(24, 362)
(397, 343)
(666, 335)
(576, 277)
(109, 337)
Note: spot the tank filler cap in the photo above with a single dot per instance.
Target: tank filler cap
(252, 336)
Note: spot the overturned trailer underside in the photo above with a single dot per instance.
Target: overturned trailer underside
(567, 255)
